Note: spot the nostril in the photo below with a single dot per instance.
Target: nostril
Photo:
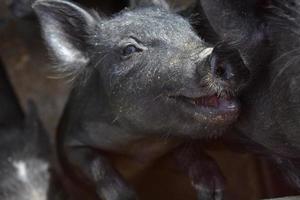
(220, 68)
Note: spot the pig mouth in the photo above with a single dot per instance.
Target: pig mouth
(210, 108)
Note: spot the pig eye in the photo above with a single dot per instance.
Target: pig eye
(130, 49)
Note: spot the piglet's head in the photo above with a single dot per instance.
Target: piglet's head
(157, 74)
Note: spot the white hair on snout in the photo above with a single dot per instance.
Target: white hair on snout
(28, 181)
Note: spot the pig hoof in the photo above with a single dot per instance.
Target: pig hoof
(122, 196)
(125, 197)
(114, 192)
(210, 194)
(210, 188)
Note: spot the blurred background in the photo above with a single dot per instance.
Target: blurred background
(25, 57)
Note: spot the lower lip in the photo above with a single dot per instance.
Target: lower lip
(226, 112)
(221, 110)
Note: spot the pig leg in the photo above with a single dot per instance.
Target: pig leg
(204, 172)
(92, 166)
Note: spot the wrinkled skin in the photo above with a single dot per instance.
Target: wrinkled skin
(24, 151)
(140, 76)
(269, 121)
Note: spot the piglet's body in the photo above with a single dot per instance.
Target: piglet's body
(145, 85)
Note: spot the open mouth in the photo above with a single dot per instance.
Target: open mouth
(211, 107)
(206, 101)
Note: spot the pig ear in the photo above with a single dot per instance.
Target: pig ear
(158, 3)
(66, 28)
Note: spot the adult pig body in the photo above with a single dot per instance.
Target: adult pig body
(270, 105)
(272, 112)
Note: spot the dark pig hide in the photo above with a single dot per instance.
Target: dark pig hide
(267, 34)
(272, 111)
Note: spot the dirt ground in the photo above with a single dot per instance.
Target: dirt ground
(26, 60)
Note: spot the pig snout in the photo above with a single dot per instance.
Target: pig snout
(227, 68)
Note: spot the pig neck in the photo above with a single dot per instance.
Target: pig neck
(88, 121)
